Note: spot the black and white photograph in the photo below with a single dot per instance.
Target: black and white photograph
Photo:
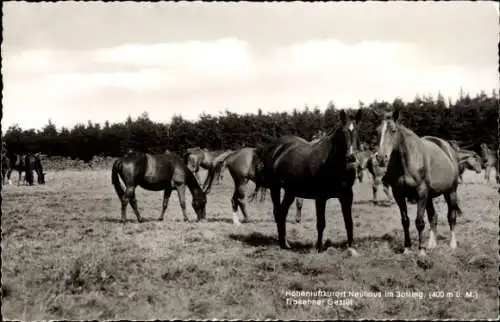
(250, 160)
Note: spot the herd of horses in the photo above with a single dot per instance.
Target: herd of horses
(27, 163)
(417, 169)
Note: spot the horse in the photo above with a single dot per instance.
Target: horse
(33, 163)
(215, 170)
(6, 168)
(17, 162)
(489, 161)
(469, 160)
(362, 158)
(319, 171)
(156, 172)
(244, 165)
(420, 169)
(197, 158)
(377, 168)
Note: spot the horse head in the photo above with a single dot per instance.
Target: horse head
(350, 128)
(389, 135)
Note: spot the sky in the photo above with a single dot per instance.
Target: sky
(77, 61)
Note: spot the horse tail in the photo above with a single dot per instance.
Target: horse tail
(39, 170)
(117, 165)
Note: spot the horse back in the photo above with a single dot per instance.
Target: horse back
(441, 161)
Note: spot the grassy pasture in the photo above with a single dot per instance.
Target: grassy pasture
(65, 255)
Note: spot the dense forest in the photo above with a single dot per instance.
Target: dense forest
(469, 120)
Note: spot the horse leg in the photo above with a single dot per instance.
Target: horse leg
(20, 177)
(263, 192)
(166, 198)
(401, 201)
(431, 215)
(124, 200)
(320, 222)
(288, 200)
(238, 200)
(386, 191)
(419, 221)
(346, 206)
(374, 190)
(298, 204)
(453, 209)
(130, 192)
(181, 192)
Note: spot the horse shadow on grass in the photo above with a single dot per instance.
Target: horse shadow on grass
(256, 239)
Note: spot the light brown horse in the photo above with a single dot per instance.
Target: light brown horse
(319, 171)
(158, 172)
(419, 168)
(468, 160)
(244, 165)
(490, 161)
(203, 158)
(377, 168)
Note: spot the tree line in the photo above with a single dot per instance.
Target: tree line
(470, 121)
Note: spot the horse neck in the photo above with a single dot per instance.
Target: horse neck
(192, 184)
(407, 143)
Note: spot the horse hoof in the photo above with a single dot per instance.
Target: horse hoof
(285, 245)
(407, 251)
(186, 219)
(352, 252)
(160, 219)
(422, 253)
(236, 223)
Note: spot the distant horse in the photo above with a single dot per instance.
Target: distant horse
(489, 160)
(197, 158)
(244, 165)
(33, 163)
(6, 168)
(377, 168)
(155, 173)
(18, 163)
(469, 160)
(319, 171)
(362, 157)
(420, 169)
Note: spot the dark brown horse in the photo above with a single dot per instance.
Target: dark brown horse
(23, 163)
(33, 163)
(489, 161)
(319, 171)
(165, 172)
(377, 168)
(244, 165)
(421, 169)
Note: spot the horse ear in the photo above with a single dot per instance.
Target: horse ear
(343, 116)
(358, 116)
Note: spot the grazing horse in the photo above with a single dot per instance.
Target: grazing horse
(420, 169)
(215, 169)
(197, 158)
(489, 160)
(469, 160)
(6, 168)
(377, 168)
(319, 171)
(362, 158)
(243, 165)
(33, 163)
(155, 173)
(18, 163)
